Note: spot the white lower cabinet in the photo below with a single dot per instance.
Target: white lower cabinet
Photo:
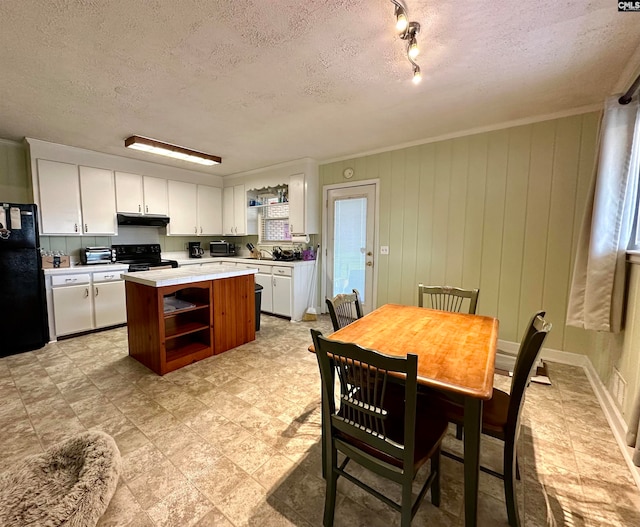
(281, 294)
(82, 302)
(109, 300)
(285, 288)
(72, 303)
(266, 297)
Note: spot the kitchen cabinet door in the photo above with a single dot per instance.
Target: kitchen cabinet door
(129, 195)
(228, 215)
(182, 209)
(240, 210)
(59, 190)
(266, 300)
(98, 198)
(304, 212)
(156, 199)
(282, 295)
(72, 309)
(209, 210)
(110, 305)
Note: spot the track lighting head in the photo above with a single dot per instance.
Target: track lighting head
(417, 75)
(408, 31)
(401, 22)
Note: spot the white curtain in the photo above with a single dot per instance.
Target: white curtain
(597, 287)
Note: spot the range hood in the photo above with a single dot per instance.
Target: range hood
(143, 221)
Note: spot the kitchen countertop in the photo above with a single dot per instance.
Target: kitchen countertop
(236, 259)
(96, 268)
(185, 275)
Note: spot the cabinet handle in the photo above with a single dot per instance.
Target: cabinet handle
(200, 230)
(146, 208)
(291, 228)
(107, 276)
(139, 208)
(86, 228)
(274, 282)
(75, 227)
(96, 291)
(196, 230)
(86, 292)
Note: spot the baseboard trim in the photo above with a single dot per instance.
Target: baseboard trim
(507, 355)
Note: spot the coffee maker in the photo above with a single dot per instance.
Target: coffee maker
(195, 251)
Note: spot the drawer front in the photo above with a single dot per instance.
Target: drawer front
(264, 269)
(246, 266)
(70, 279)
(107, 276)
(281, 271)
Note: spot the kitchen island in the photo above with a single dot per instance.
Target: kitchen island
(183, 315)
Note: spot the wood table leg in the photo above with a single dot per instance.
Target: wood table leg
(472, 433)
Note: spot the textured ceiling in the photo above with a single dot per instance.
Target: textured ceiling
(267, 81)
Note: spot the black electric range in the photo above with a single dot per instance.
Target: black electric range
(142, 257)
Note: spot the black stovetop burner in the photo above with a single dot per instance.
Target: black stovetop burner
(142, 257)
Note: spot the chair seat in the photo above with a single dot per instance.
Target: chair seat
(494, 414)
(431, 427)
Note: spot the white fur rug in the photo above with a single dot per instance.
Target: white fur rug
(69, 485)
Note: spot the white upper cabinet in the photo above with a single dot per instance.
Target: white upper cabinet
(98, 199)
(59, 204)
(76, 200)
(209, 210)
(234, 211)
(155, 195)
(129, 194)
(304, 201)
(182, 209)
(141, 194)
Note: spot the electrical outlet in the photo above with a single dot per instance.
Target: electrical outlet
(384, 249)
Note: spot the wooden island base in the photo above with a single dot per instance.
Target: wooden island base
(211, 316)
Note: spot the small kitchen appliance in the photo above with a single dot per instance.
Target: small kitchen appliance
(222, 248)
(142, 257)
(195, 251)
(97, 255)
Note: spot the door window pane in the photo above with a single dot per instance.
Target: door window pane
(350, 240)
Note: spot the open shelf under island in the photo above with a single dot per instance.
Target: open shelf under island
(179, 316)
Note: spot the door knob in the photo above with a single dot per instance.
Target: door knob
(369, 264)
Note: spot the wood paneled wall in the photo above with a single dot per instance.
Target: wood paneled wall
(499, 210)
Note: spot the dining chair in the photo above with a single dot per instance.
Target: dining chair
(448, 298)
(344, 309)
(379, 422)
(501, 414)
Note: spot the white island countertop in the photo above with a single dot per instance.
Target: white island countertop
(185, 275)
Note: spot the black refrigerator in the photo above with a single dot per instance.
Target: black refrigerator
(23, 303)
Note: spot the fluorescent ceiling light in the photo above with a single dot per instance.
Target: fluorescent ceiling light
(154, 146)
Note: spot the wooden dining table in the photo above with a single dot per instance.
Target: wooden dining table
(456, 354)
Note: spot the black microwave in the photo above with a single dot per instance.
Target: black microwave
(222, 248)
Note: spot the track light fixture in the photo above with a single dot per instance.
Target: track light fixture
(154, 146)
(408, 31)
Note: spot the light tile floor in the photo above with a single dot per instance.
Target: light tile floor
(234, 440)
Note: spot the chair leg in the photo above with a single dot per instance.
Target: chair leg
(407, 503)
(435, 485)
(510, 468)
(332, 484)
(459, 429)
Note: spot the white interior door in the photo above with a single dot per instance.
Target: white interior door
(351, 238)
